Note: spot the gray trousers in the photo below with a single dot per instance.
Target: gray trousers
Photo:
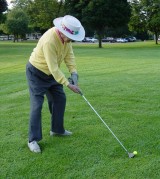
(39, 85)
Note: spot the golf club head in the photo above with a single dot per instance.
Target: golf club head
(131, 155)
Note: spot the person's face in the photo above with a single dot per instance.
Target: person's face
(65, 38)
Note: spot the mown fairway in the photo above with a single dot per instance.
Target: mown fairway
(121, 81)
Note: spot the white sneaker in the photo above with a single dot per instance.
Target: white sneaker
(34, 147)
(66, 133)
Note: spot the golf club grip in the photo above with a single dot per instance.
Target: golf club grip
(80, 92)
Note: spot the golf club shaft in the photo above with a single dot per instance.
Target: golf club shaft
(103, 122)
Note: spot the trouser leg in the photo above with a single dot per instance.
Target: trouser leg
(50, 101)
(35, 124)
(37, 89)
(57, 103)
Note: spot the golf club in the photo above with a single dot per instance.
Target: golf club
(131, 155)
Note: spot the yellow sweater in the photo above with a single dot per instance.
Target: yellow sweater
(50, 52)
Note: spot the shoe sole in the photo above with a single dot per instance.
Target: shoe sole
(56, 134)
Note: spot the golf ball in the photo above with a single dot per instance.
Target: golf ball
(135, 152)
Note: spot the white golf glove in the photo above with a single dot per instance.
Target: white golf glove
(73, 79)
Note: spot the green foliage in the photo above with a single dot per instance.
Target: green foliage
(100, 14)
(75, 8)
(2, 18)
(22, 4)
(103, 13)
(146, 16)
(3, 6)
(42, 12)
(154, 20)
(121, 31)
(17, 22)
(121, 81)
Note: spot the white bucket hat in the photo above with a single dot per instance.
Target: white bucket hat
(70, 27)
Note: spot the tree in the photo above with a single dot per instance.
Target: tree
(17, 23)
(22, 4)
(3, 8)
(153, 22)
(42, 12)
(146, 16)
(75, 8)
(99, 15)
(121, 31)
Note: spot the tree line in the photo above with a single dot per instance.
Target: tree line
(99, 17)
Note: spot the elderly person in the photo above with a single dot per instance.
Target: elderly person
(45, 77)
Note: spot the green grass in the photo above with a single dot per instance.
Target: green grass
(121, 81)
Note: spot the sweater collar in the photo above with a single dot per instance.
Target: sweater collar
(59, 35)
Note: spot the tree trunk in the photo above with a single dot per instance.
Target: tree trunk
(14, 39)
(17, 37)
(100, 41)
(156, 35)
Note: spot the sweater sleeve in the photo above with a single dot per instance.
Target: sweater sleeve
(70, 60)
(51, 59)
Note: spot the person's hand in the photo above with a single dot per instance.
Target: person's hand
(74, 88)
(74, 78)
